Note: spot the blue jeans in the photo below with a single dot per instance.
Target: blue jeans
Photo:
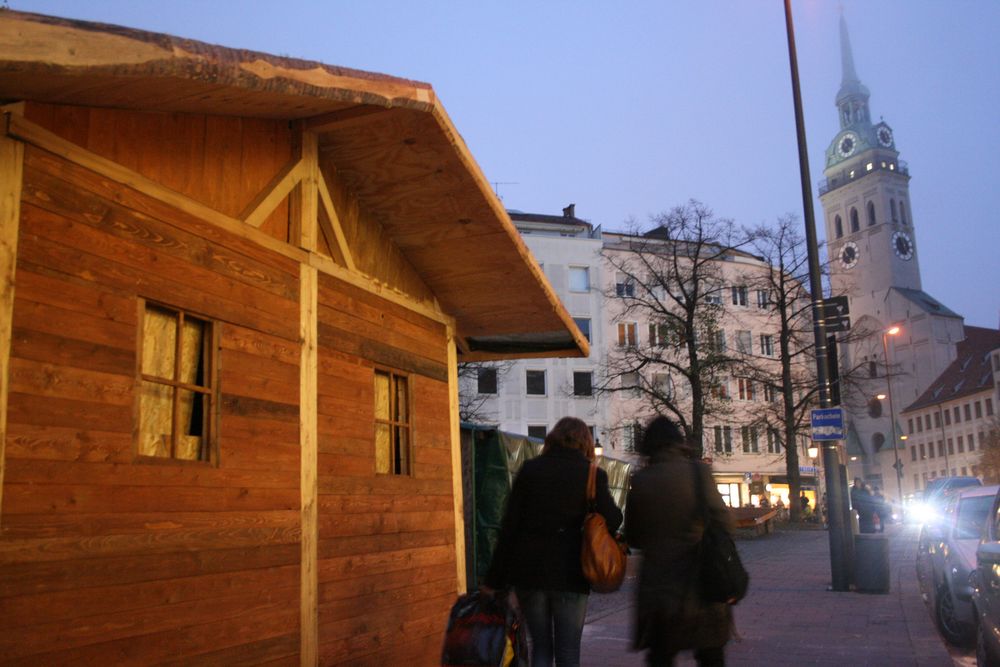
(555, 624)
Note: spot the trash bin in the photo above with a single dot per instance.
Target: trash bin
(871, 563)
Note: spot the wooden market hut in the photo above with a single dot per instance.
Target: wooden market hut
(234, 288)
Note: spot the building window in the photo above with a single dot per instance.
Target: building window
(913, 454)
(583, 324)
(927, 421)
(486, 381)
(745, 387)
(902, 212)
(534, 382)
(923, 452)
(920, 425)
(392, 423)
(838, 226)
(624, 285)
(773, 441)
(748, 434)
(968, 412)
(771, 393)
(909, 425)
(989, 407)
(767, 345)
(724, 439)
(930, 449)
(951, 447)
(730, 494)
(941, 448)
(178, 394)
(972, 442)
(979, 410)
(719, 341)
(961, 444)
(583, 383)
(631, 434)
(871, 214)
(947, 417)
(763, 298)
(659, 334)
(740, 295)
(663, 384)
(579, 279)
(937, 420)
(632, 383)
(537, 431)
(744, 343)
(720, 390)
(628, 335)
(855, 223)
(892, 210)
(957, 414)
(872, 369)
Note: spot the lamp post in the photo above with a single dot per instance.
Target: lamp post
(893, 331)
(841, 539)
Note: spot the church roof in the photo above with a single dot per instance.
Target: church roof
(927, 303)
(970, 373)
(850, 84)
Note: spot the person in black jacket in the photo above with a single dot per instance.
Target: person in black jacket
(538, 550)
(665, 521)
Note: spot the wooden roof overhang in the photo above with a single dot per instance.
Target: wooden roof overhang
(388, 139)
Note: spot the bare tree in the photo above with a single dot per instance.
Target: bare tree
(989, 456)
(671, 276)
(473, 404)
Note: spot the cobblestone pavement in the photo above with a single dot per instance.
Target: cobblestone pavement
(790, 618)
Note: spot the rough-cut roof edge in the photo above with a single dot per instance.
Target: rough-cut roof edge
(971, 364)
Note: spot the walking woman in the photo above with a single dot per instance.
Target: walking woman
(538, 551)
(665, 516)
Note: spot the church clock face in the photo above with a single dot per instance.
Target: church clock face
(902, 245)
(848, 143)
(885, 137)
(849, 255)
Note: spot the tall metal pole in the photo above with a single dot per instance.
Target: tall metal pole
(892, 422)
(836, 494)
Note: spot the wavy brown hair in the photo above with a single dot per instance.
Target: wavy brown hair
(571, 433)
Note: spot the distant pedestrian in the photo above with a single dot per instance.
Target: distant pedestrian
(664, 520)
(862, 503)
(538, 551)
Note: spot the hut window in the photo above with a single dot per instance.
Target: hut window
(392, 423)
(177, 395)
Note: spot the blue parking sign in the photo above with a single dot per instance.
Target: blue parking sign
(827, 424)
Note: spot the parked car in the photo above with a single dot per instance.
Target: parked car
(986, 591)
(946, 560)
(930, 504)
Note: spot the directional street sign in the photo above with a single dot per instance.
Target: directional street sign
(827, 424)
(836, 314)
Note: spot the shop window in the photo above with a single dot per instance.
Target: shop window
(730, 494)
(178, 396)
(393, 433)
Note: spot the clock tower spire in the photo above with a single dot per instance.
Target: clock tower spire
(872, 251)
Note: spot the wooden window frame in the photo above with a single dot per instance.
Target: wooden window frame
(211, 390)
(394, 423)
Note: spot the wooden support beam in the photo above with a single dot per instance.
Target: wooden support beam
(267, 200)
(33, 134)
(335, 233)
(456, 461)
(308, 441)
(308, 206)
(337, 119)
(11, 171)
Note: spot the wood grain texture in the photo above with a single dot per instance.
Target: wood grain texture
(308, 370)
(11, 165)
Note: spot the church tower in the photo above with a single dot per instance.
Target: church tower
(873, 254)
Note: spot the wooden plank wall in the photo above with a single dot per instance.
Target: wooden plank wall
(387, 561)
(104, 560)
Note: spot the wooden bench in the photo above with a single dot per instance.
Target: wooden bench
(757, 519)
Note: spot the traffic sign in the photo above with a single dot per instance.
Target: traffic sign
(836, 314)
(827, 424)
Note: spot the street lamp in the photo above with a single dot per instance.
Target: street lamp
(892, 331)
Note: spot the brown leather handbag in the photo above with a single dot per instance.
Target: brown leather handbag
(603, 556)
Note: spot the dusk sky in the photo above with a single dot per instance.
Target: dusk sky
(630, 108)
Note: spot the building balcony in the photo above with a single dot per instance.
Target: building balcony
(859, 169)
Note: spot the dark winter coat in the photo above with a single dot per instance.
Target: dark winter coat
(665, 522)
(540, 538)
